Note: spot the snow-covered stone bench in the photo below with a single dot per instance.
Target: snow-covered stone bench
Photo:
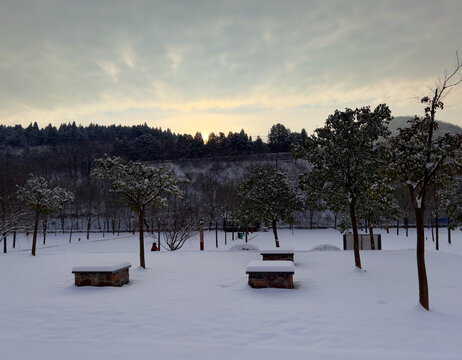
(115, 275)
(275, 274)
(278, 254)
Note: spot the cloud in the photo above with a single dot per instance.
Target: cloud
(258, 60)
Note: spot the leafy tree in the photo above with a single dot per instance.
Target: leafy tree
(267, 195)
(345, 154)
(418, 158)
(376, 204)
(139, 185)
(279, 138)
(452, 201)
(36, 195)
(313, 198)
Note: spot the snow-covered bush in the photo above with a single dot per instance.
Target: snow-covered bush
(325, 247)
(244, 247)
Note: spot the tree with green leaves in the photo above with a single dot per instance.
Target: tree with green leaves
(345, 155)
(417, 159)
(267, 194)
(139, 185)
(37, 196)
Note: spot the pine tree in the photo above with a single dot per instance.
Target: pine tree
(36, 195)
(344, 155)
(139, 185)
(267, 195)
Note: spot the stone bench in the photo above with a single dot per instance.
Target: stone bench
(278, 254)
(273, 274)
(116, 275)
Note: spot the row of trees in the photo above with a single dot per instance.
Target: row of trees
(144, 143)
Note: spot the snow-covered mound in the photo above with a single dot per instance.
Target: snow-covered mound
(325, 247)
(244, 247)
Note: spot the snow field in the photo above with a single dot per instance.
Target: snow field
(197, 305)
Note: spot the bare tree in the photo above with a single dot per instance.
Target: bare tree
(417, 158)
(182, 224)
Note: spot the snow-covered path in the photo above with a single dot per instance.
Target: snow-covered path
(197, 305)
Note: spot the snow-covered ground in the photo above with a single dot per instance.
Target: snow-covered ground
(197, 305)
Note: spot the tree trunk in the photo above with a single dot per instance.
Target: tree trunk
(63, 220)
(34, 237)
(275, 232)
(44, 226)
(371, 236)
(70, 233)
(437, 233)
(147, 226)
(433, 232)
(141, 219)
(14, 239)
(225, 238)
(421, 270)
(449, 235)
(355, 232)
(216, 234)
(246, 233)
(158, 234)
(4, 244)
(397, 227)
(406, 222)
(88, 227)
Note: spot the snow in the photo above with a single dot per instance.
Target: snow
(243, 247)
(270, 266)
(101, 268)
(325, 247)
(197, 305)
(277, 251)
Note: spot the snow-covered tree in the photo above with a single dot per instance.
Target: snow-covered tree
(37, 196)
(418, 158)
(12, 219)
(452, 201)
(267, 194)
(139, 185)
(345, 155)
(377, 204)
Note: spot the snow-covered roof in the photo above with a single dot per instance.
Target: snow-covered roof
(104, 268)
(277, 251)
(270, 266)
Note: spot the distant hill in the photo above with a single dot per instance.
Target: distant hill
(402, 122)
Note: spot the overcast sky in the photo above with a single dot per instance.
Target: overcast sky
(222, 65)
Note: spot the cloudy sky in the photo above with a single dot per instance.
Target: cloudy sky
(222, 65)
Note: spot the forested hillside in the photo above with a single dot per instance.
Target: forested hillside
(65, 157)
